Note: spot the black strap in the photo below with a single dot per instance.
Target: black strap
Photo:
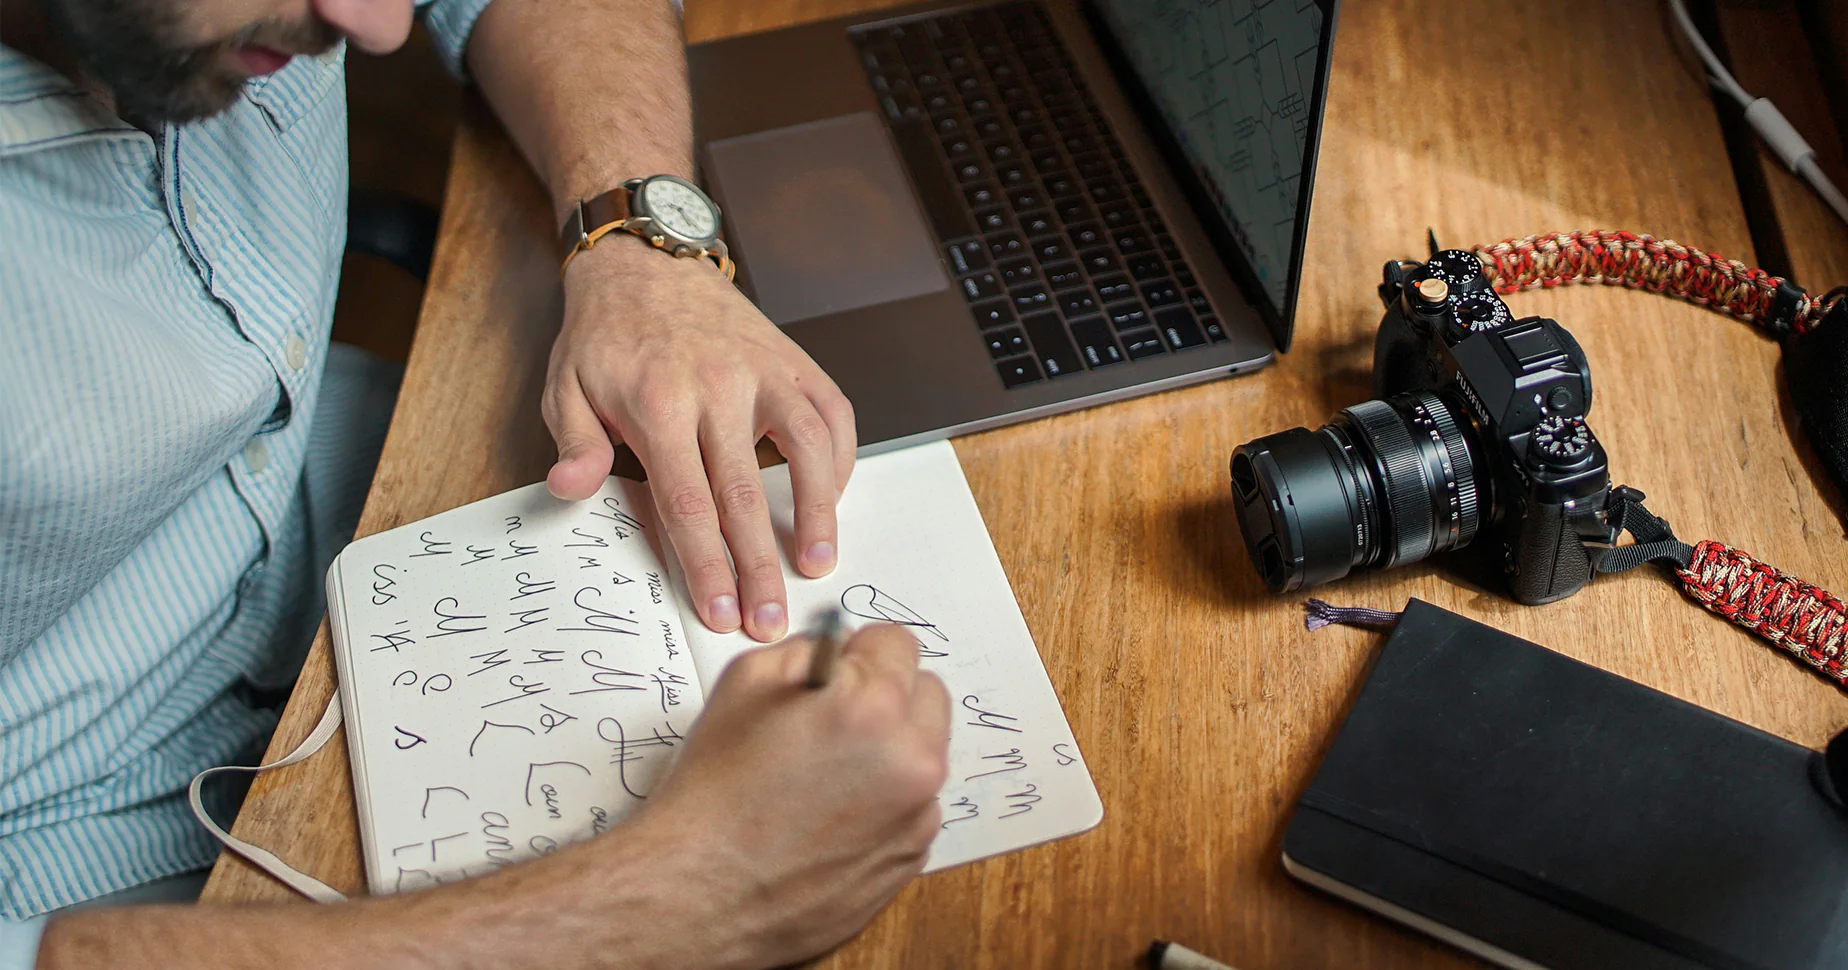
(1655, 540)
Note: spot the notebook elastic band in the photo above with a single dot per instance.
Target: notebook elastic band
(262, 858)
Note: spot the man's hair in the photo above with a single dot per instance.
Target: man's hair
(135, 48)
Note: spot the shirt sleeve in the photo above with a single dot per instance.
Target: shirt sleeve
(450, 22)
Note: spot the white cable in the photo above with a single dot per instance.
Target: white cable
(1770, 123)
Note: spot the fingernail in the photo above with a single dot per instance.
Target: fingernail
(770, 620)
(821, 555)
(725, 613)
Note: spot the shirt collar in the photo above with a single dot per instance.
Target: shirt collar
(40, 108)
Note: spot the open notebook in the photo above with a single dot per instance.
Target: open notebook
(517, 673)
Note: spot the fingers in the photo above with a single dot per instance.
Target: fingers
(806, 440)
(728, 443)
(930, 705)
(683, 500)
(584, 449)
(885, 650)
(837, 411)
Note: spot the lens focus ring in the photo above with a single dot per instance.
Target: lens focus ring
(1411, 525)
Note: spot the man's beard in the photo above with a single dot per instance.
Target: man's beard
(134, 48)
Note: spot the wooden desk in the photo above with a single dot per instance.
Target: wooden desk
(1199, 700)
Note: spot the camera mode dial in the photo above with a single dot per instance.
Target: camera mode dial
(1560, 441)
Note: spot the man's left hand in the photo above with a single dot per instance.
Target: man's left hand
(665, 355)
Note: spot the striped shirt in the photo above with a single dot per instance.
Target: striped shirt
(180, 451)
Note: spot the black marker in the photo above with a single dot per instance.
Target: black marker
(826, 634)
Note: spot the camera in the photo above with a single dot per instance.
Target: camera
(1476, 439)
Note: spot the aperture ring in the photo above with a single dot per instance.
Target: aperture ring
(1462, 467)
(1412, 526)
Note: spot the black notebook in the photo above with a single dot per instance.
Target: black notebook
(1541, 812)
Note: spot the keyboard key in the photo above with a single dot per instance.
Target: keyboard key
(1166, 244)
(1024, 199)
(1052, 345)
(1095, 344)
(1184, 276)
(947, 124)
(1127, 316)
(968, 171)
(1017, 271)
(1037, 138)
(991, 219)
(966, 256)
(1103, 191)
(1030, 299)
(1147, 266)
(1177, 326)
(1013, 174)
(1016, 371)
(1084, 235)
(981, 194)
(1196, 301)
(1140, 196)
(1076, 303)
(992, 313)
(1007, 343)
(979, 104)
(1006, 244)
(1098, 260)
(1050, 249)
(1117, 215)
(988, 128)
(1160, 294)
(959, 149)
(1060, 185)
(1045, 161)
(981, 286)
(1001, 152)
(940, 105)
(1038, 224)
(1093, 167)
(1142, 344)
(1113, 288)
(1062, 275)
(1214, 331)
(1129, 242)
(1072, 210)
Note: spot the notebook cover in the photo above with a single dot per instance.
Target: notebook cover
(1569, 817)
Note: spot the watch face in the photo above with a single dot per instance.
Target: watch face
(679, 209)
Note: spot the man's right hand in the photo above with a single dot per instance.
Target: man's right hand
(800, 812)
(792, 816)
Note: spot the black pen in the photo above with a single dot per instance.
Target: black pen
(826, 634)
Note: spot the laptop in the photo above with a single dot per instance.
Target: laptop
(973, 215)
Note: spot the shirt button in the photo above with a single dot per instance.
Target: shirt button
(295, 352)
(256, 455)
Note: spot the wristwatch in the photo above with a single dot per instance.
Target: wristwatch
(671, 213)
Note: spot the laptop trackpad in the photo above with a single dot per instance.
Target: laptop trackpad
(823, 218)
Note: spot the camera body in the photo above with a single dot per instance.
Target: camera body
(1477, 435)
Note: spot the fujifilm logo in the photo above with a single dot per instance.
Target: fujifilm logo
(1475, 403)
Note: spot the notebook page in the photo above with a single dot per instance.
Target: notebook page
(914, 550)
(514, 677)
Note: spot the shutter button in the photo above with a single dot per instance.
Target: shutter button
(256, 455)
(296, 352)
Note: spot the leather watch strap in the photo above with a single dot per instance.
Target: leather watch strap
(591, 220)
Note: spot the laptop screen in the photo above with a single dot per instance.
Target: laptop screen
(1239, 86)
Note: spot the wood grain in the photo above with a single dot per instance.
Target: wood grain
(1201, 704)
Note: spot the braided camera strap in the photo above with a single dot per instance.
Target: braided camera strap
(1806, 620)
(1642, 262)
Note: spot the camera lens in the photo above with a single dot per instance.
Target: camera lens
(1387, 482)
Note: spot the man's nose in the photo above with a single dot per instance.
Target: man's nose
(374, 26)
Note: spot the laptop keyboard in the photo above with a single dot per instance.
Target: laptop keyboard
(1052, 238)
